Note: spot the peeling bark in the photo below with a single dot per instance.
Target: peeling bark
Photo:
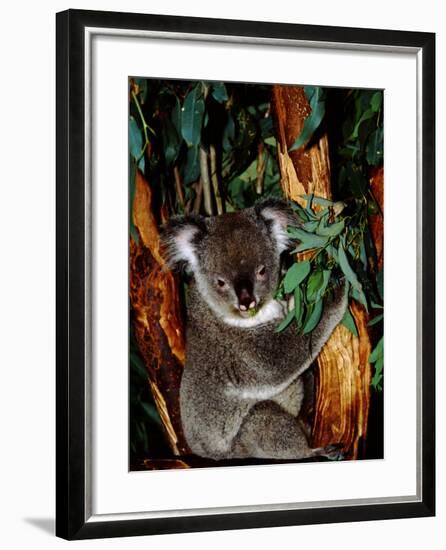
(343, 371)
(377, 220)
(156, 316)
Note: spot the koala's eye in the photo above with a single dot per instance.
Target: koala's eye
(261, 271)
(221, 283)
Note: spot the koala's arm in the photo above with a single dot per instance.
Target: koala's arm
(287, 354)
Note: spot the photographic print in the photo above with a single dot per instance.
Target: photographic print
(256, 273)
(220, 274)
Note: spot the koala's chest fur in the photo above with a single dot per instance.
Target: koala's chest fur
(239, 361)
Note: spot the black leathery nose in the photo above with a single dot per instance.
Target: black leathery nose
(244, 289)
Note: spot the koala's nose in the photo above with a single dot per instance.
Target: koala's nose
(244, 291)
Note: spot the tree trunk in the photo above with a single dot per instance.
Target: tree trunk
(377, 220)
(343, 372)
(156, 316)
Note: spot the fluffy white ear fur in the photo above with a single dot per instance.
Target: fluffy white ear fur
(280, 219)
(180, 247)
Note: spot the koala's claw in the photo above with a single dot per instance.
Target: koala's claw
(333, 452)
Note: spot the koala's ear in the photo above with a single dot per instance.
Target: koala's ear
(277, 215)
(180, 237)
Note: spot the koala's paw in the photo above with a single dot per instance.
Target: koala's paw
(333, 452)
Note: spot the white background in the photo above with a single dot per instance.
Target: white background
(27, 275)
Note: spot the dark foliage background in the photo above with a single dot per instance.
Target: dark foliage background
(175, 125)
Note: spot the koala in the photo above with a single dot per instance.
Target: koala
(241, 390)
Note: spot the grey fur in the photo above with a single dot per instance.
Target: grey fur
(241, 390)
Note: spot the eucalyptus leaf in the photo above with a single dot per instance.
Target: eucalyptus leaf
(380, 283)
(219, 92)
(378, 351)
(318, 200)
(314, 119)
(314, 283)
(135, 139)
(283, 325)
(375, 147)
(349, 322)
(365, 116)
(308, 240)
(192, 116)
(331, 230)
(346, 268)
(171, 142)
(311, 226)
(271, 141)
(192, 167)
(132, 188)
(314, 318)
(360, 297)
(376, 320)
(295, 275)
(176, 116)
(376, 101)
(229, 133)
(298, 306)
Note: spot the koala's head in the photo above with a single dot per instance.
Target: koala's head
(234, 258)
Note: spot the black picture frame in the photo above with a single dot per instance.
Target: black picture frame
(71, 518)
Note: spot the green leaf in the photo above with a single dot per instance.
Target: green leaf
(135, 139)
(314, 318)
(379, 365)
(266, 126)
(176, 116)
(143, 89)
(377, 376)
(313, 285)
(271, 141)
(346, 268)
(151, 412)
(229, 133)
(250, 174)
(331, 230)
(298, 305)
(314, 119)
(318, 200)
(219, 92)
(380, 283)
(132, 188)
(376, 101)
(378, 352)
(308, 240)
(316, 285)
(171, 141)
(360, 297)
(333, 253)
(138, 366)
(376, 381)
(286, 321)
(192, 167)
(311, 226)
(295, 275)
(376, 320)
(375, 147)
(192, 116)
(349, 322)
(365, 116)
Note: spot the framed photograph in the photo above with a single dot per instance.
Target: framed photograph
(222, 302)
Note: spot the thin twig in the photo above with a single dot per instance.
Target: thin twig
(178, 186)
(145, 126)
(206, 181)
(214, 178)
(198, 197)
(261, 165)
